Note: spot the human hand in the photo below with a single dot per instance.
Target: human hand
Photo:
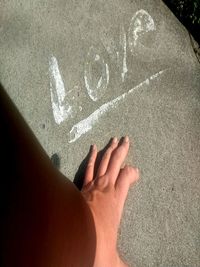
(105, 194)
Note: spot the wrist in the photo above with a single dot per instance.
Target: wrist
(108, 258)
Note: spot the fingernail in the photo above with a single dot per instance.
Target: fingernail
(114, 140)
(126, 139)
(137, 170)
(92, 147)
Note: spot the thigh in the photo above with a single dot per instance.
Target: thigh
(44, 218)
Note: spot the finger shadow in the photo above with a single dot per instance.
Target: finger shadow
(80, 174)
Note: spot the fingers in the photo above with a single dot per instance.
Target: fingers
(106, 158)
(116, 160)
(127, 176)
(90, 166)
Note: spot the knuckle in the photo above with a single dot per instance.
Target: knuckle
(117, 154)
(108, 152)
(123, 147)
(91, 159)
(90, 163)
(121, 150)
(113, 146)
(130, 170)
(101, 182)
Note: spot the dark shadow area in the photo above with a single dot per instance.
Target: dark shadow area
(188, 12)
(55, 159)
(41, 212)
(8, 178)
(80, 174)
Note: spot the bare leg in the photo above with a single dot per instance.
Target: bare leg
(45, 220)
